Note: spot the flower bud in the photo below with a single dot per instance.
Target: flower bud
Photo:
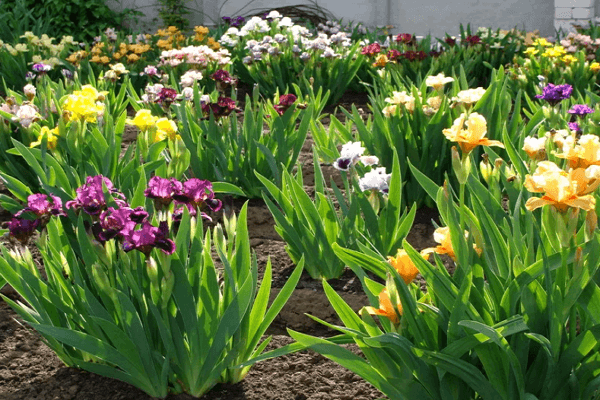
(29, 91)
(152, 269)
(166, 288)
(461, 166)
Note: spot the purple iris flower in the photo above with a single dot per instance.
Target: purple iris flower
(580, 110)
(574, 126)
(162, 190)
(118, 222)
(22, 229)
(90, 196)
(554, 94)
(41, 67)
(148, 237)
(43, 205)
(197, 192)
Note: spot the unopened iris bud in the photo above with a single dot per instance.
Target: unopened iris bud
(591, 223)
(486, 169)
(166, 288)
(152, 269)
(461, 166)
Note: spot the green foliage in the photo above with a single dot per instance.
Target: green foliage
(17, 18)
(82, 19)
(173, 13)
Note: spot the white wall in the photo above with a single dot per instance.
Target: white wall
(412, 16)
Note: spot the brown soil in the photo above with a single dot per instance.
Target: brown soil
(29, 370)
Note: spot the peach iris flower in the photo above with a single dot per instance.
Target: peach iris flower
(442, 236)
(561, 189)
(385, 307)
(585, 153)
(471, 137)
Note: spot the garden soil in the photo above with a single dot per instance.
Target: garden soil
(29, 370)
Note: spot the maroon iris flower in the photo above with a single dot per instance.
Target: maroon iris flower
(285, 102)
(223, 80)
(148, 237)
(90, 196)
(222, 108)
(166, 96)
(371, 49)
(450, 41)
(414, 55)
(22, 229)
(162, 190)
(472, 40)
(393, 54)
(405, 38)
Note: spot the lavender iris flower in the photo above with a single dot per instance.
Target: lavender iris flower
(574, 126)
(580, 110)
(41, 67)
(554, 94)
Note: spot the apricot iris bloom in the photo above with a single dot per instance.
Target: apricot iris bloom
(585, 153)
(471, 137)
(385, 307)
(404, 265)
(442, 236)
(562, 190)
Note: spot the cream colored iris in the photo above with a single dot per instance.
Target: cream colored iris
(438, 81)
(585, 153)
(472, 136)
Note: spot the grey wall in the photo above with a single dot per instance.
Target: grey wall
(412, 16)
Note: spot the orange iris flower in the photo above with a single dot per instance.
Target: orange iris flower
(385, 307)
(404, 265)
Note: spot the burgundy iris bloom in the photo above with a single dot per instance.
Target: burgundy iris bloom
(222, 108)
(472, 40)
(405, 38)
(371, 49)
(414, 55)
(393, 54)
(166, 96)
(285, 102)
(450, 41)
(554, 94)
(148, 237)
(22, 229)
(223, 80)
(162, 190)
(580, 110)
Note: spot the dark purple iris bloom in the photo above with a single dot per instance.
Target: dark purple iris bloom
(222, 108)
(166, 96)
(117, 222)
(580, 110)
(235, 21)
(162, 190)
(148, 237)
(434, 53)
(22, 229)
(371, 49)
(285, 102)
(554, 94)
(42, 205)
(90, 196)
(574, 126)
(227, 20)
